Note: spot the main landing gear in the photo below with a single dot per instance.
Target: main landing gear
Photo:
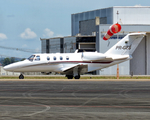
(75, 74)
(71, 76)
(77, 77)
(21, 76)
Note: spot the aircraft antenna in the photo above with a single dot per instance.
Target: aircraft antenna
(108, 43)
(117, 15)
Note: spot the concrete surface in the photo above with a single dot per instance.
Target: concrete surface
(74, 100)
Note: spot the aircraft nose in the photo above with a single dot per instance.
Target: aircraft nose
(8, 67)
(14, 66)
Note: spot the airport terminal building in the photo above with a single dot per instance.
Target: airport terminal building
(88, 29)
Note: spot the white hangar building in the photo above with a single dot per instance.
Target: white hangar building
(88, 29)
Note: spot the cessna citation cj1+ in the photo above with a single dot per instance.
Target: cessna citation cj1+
(75, 64)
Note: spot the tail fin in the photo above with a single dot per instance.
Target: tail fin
(127, 45)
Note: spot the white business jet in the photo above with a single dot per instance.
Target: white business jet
(75, 64)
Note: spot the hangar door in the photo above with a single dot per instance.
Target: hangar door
(138, 65)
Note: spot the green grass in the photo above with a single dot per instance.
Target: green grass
(114, 77)
(82, 77)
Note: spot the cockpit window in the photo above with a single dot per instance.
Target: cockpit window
(37, 58)
(31, 58)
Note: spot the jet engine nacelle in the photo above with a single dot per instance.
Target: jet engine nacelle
(115, 28)
(92, 56)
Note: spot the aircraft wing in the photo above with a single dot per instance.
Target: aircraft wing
(69, 68)
(66, 68)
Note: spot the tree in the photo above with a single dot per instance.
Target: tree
(12, 60)
(22, 59)
(6, 61)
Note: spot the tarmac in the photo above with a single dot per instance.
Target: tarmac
(54, 99)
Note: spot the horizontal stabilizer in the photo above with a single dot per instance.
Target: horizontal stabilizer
(118, 57)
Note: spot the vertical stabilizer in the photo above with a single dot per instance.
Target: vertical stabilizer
(127, 45)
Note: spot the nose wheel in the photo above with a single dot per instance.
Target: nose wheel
(21, 76)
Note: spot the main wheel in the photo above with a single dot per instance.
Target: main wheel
(77, 77)
(21, 76)
(69, 76)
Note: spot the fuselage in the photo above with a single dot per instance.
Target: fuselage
(59, 62)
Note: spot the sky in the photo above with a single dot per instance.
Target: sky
(24, 22)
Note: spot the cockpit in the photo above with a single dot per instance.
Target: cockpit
(34, 57)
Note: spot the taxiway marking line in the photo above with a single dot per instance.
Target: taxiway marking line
(80, 106)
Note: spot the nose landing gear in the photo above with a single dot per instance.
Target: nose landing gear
(21, 76)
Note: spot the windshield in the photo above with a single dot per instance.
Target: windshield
(31, 58)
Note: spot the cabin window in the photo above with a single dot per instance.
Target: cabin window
(31, 58)
(48, 58)
(67, 58)
(54, 58)
(61, 58)
(37, 58)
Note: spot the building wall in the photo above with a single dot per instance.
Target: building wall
(69, 44)
(106, 17)
(43, 46)
(3, 72)
(54, 45)
(87, 27)
(105, 45)
(138, 63)
(132, 15)
(127, 15)
(148, 53)
(66, 44)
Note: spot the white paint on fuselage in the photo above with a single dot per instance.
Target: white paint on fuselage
(51, 65)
